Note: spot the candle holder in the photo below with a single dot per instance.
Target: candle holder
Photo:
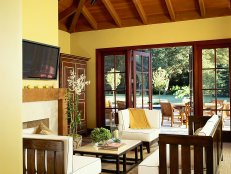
(115, 133)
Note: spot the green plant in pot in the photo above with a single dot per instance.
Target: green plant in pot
(100, 135)
(75, 86)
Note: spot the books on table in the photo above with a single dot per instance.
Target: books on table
(112, 146)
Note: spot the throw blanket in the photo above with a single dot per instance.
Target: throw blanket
(138, 119)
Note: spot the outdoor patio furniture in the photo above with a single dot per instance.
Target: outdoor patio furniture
(121, 105)
(168, 111)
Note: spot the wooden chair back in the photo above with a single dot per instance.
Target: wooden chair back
(221, 106)
(206, 150)
(43, 156)
(187, 113)
(121, 105)
(166, 109)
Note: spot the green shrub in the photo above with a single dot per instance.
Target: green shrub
(100, 134)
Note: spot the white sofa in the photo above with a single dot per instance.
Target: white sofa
(73, 164)
(148, 136)
(151, 164)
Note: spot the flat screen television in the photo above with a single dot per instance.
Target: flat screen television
(40, 61)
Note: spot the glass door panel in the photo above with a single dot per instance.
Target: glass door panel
(216, 83)
(141, 75)
(114, 86)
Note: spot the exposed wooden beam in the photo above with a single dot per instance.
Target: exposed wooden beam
(76, 16)
(69, 11)
(202, 7)
(170, 10)
(140, 10)
(112, 11)
(89, 17)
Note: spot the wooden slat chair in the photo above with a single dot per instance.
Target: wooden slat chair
(186, 113)
(43, 156)
(168, 111)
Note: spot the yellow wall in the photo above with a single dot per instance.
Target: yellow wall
(64, 42)
(11, 87)
(85, 43)
(40, 24)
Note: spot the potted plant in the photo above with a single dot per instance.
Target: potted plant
(100, 135)
(75, 85)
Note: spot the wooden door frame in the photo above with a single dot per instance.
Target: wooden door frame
(196, 68)
(100, 98)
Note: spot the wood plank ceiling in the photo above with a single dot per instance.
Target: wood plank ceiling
(87, 15)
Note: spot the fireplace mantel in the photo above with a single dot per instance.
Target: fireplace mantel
(48, 94)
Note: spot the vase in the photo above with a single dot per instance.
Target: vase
(77, 142)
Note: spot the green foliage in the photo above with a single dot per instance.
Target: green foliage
(175, 88)
(175, 60)
(219, 59)
(100, 134)
(182, 92)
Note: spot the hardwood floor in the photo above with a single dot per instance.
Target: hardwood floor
(225, 167)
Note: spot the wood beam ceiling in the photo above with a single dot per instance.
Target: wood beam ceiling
(76, 16)
(140, 10)
(69, 11)
(112, 12)
(89, 18)
(170, 10)
(202, 7)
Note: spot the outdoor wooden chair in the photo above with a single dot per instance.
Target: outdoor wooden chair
(121, 105)
(168, 111)
(186, 113)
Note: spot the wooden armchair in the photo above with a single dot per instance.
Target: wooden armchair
(168, 111)
(186, 113)
(43, 156)
(121, 105)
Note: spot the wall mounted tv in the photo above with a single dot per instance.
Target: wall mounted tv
(40, 61)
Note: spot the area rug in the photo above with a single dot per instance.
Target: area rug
(131, 154)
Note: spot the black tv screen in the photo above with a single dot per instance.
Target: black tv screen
(40, 61)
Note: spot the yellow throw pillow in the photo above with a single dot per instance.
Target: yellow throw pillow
(138, 119)
(42, 129)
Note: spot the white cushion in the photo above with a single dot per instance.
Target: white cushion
(153, 117)
(150, 164)
(213, 119)
(209, 126)
(86, 165)
(124, 119)
(140, 134)
(29, 130)
(68, 147)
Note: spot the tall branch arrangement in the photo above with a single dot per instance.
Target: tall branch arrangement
(76, 85)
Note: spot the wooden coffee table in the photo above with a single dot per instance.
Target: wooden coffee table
(116, 156)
